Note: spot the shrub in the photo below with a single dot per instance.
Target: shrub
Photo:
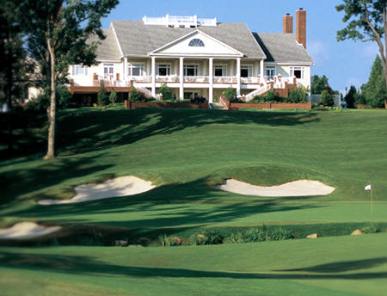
(298, 95)
(198, 100)
(113, 98)
(102, 97)
(327, 98)
(230, 94)
(135, 96)
(170, 241)
(208, 238)
(166, 93)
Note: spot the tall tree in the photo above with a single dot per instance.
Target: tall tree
(375, 90)
(319, 84)
(12, 62)
(366, 21)
(61, 33)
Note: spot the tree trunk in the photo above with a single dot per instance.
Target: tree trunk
(52, 108)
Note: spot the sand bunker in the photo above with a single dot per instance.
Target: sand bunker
(295, 188)
(121, 186)
(27, 230)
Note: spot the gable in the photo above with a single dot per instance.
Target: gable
(197, 43)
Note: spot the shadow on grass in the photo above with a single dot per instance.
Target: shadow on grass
(83, 265)
(15, 183)
(82, 131)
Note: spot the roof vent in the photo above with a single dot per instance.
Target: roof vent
(180, 21)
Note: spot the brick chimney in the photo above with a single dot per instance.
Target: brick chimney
(301, 26)
(287, 23)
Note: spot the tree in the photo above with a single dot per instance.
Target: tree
(327, 98)
(61, 33)
(319, 83)
(350, 97)
(375, 90)
(166, 92)
(366, 21)
(12, 63)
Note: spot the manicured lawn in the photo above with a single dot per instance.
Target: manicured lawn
(186, 153)
(327, 267)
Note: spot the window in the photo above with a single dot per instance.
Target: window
(191, 70)
(136, 70)
(270, 72)
(246, 71)
(220, 70)
(79, 70)
(196, 43)
(164, 70)
(297, 72)
(108, 71)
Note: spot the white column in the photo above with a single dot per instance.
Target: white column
(153, 77)
(181, 80)
(125, 70)
(238, 76)
(262, 70)
(211, 79)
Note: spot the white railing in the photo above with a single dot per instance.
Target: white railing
(251, 80)
(225, 79)
(196, 79)
(178, 21)
(143, 79)
(166, 79)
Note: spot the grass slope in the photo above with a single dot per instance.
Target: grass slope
(187, 152)
(327, 267)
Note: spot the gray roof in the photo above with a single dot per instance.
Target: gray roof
(137, 39)
(282, 48)
(108, 48)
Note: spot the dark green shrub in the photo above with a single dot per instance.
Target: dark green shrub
(230, 94)
(102, 97)
(208, 238)
(298, 95)
(166, 93)
(135, 96)
(327, 98)
(113, 98)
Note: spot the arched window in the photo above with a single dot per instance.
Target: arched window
(196, 43)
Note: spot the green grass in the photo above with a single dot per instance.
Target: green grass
(186, 153)
(326, 267)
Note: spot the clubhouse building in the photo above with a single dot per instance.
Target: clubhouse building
(196, 56)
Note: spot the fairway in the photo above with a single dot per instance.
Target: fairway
(187, 154)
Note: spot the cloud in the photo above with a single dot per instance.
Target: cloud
(319, 52)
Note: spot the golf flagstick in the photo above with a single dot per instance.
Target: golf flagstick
(369, 188)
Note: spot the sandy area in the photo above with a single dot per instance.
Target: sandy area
(295, 188)
(121, 186)
(27, 230)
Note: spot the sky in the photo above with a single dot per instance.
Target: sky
(344, 63)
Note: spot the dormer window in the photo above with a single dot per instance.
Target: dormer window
(196, 43)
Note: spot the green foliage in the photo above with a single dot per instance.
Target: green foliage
(319, 83)
(102, 96)
(166, 93)
(229, 93)
(113, 97)
(327, 98)
(351, 97)
(134, 95)
(298, 95)
(358, 16)
(64, 96)
(375, 90)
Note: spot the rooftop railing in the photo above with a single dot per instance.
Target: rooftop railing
(180, 21)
